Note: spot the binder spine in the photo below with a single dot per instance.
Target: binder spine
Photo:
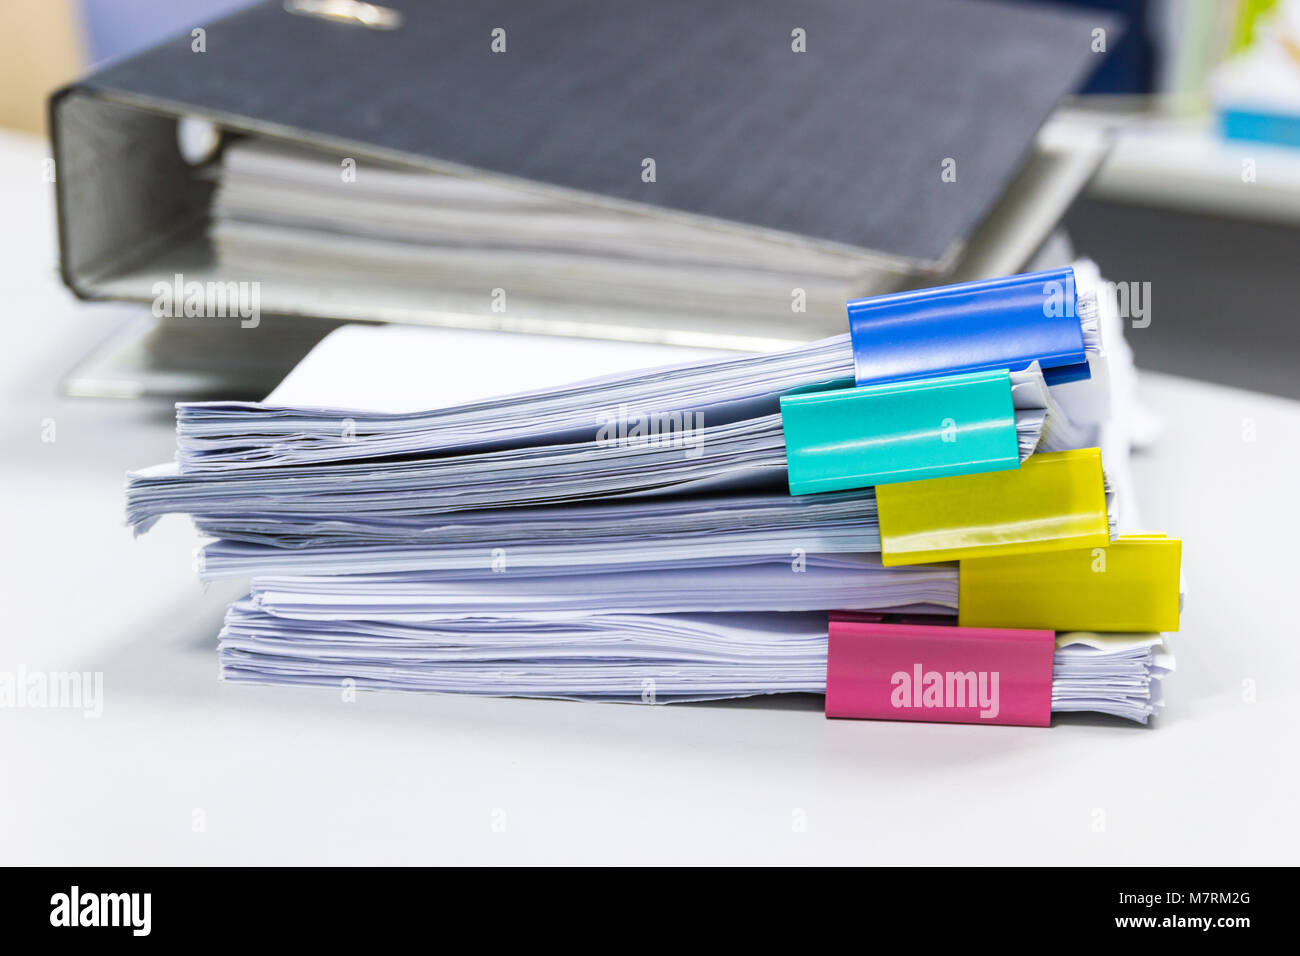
(899, 431)
(1007, 322)
(880, 671)
(1131, 584)
(1052, 502)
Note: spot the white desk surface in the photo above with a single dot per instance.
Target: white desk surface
(297, 776)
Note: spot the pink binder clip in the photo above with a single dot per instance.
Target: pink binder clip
(976, 675)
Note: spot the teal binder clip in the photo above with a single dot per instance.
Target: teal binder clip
(899, 431)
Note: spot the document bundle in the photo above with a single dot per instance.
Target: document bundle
(928, 518)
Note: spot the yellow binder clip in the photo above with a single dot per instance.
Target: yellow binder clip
(1052, 502)
(1130, 585)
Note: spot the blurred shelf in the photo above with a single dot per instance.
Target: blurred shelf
(1183, 164)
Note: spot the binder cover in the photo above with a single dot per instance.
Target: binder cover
(899, 431)
(826, 123)
(946, 674)
(1007, 322)
(1132, 584)
(1052, 502)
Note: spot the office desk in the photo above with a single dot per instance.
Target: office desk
(183, 769)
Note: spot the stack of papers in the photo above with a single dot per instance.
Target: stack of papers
(523, 545)
(1120, 674)
(850, 581)
(710, 426)
(451, 238)
(648, 658)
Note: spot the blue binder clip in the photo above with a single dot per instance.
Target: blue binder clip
(1007, 322)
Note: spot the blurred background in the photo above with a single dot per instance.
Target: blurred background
(1197, 199)
(1184, 90)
